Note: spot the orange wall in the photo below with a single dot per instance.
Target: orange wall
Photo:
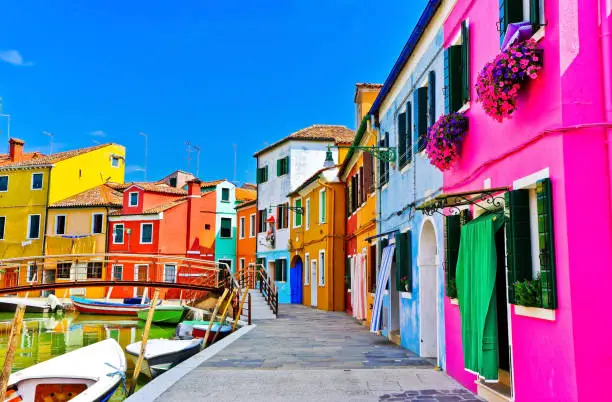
(173, 230)
(246, 247)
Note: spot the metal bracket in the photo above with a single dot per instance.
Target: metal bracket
(387, 154)
(297, 210)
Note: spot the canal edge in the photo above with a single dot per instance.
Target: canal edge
(161, 384)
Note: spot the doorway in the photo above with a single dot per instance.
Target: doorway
(295, 280)
(428, 300)
(313, 283)
(502, 311)
(11, 278)
(48, 277)
(394, 325)
(141, 273)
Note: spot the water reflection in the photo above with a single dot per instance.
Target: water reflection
(44, 337)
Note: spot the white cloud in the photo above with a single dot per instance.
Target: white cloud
(98, 133)
(133, 168)
(14, 57)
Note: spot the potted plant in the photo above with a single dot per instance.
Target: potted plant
(499, 82)
(444, 140)
(404, 284)
(528, 293)
(451, 289)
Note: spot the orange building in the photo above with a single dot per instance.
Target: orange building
(246, 241)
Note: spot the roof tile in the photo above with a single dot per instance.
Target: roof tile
(317, 132)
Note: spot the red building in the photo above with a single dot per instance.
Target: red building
(158, 222)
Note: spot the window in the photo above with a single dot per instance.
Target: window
(404, 139)
(252, 225)
(242, 227)
(37, 181)
(280, 270)
(313, 270)
(32, 272)
(225, 195)
(322, 206)
(96, 226)
(2, 224)
(170, 273)
(452, 235)
(456, 72)
(63, 270)
(307, 214)
(226, 264)
(60, 224)
(133, 199)
(282, 214)
(242, 264)
(117, 272)
(115, 161)
(262, 175)
(420, 117)
(94, 270)
(306, 270)
(403, 262)
(297, 216)
(118, 233)
(146, 233)
(3, 183)
(371, 269)
(226, 228)
(321, 268)
(33, 226)
(512, 11)
(282, 166)
(431, 98)
(172, 182)
(383, 166)
(368, 173)
(263, 216)
(207, 226)
(350, 261)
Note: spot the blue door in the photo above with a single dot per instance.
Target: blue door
(295, 278)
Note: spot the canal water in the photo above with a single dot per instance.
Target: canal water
(47, 336)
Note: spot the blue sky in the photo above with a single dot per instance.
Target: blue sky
(214, 73)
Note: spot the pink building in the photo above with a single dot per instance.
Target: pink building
(549, 169)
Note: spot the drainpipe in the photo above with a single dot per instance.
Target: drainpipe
(606, 48)
(333, 238)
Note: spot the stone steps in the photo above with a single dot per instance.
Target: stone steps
(259, 307)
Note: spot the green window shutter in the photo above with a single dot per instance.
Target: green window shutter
(324, 206)
(279, 167)
(277, 270)
(465, 62)
(387, 163)
(420, 115)
(518, 239)
(401, 138)
(447, 81)
(408, 134)
(258, 176)
(403, 263)
(383, 243)
(509, 11)
(298, 217)
(452, 234)
(465, 216)
(431, 98)
(546, 242)
(265, 173)
(286, 164)
(534, 14)
(347, 273)
(455, 80)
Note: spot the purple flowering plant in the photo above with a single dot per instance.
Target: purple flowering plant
(500, 80)
(444, 140)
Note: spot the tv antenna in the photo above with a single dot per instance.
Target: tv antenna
(50, 135)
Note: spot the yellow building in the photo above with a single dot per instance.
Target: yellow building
(317, 239)
(78, 225)
(29, 182)
(357, 172)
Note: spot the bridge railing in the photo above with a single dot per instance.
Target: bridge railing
(255, 276)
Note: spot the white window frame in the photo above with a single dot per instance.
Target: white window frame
(242, 264)
(295, 213)
(130, 199)
(307, 270)
(229, 194)
(93, 221)
(114, 231)
(7, 183)
(322, 219)
(115, 158)
(322, 266)
(175, 272)
(253, 225)
(65, 224)
(307, 213)
(113, 271)
(42, 183)
(35, 278)
(29, 224)
(242, 227)
(142, 225)
(3, 233)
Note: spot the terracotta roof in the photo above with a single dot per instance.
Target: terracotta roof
(246, 204)
(249, 186)
(154, 210)
(212, 183)
(243, 194)
(153, 187)
(310, 180)
(100, 196)
(316, 132)
(37, 159)
(6, 158)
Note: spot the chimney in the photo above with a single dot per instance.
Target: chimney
(193, 187)
(16, 149)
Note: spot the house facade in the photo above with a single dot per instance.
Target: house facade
(281, 168)
(316, 238)
(246, 246)
(408, 104)
(358, 173)
(526, 178)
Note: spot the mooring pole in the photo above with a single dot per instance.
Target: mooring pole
(143, 342)
(10, 352)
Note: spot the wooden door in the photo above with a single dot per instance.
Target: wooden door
(141, 274)
(11, 278)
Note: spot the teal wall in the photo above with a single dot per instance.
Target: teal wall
(225, 248)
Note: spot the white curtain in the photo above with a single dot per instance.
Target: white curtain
(358, 286)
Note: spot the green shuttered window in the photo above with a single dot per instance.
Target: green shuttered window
(297, 216)
(452, 236)
(262, 174)
(403, 262)
(420, 117)
(282, 166)
(452, 78)
(401, 139)
(465, 62)
(546, 244)
(431, 98)
(280, 270)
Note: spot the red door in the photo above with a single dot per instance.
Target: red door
(11, 278)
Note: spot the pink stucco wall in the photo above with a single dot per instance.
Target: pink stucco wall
(560, 360)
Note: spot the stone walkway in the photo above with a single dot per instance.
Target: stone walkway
(311, 355)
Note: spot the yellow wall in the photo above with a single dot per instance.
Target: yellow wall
(321, 236)
(365, 102)
(82, 172)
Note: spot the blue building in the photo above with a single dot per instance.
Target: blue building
(410, 101)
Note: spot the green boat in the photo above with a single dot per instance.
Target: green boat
(165, 314)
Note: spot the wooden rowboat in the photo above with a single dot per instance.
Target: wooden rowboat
(91, 373)
(197, 329)
(163, 354)
(164, 314)
(89, 306)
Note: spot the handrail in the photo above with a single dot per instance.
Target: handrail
(255, 274)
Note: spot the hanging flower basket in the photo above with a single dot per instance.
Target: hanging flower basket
(500, 80)
(444, 140)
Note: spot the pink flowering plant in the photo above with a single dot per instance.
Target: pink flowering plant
(444, 140)
(500, 80)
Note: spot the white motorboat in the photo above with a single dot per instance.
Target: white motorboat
(163, 354)
(91, 373)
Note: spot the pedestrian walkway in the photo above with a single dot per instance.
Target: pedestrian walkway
(312, 355)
